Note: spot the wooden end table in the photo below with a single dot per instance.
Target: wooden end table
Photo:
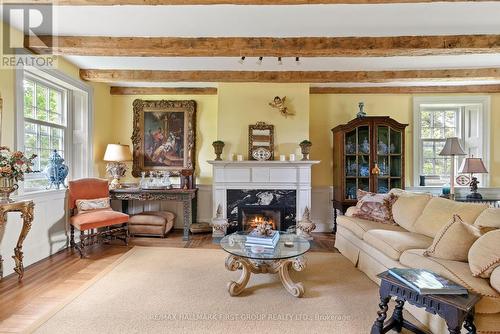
(279, 261)
(456, 310)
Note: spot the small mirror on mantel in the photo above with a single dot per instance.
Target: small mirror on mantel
(261, 141)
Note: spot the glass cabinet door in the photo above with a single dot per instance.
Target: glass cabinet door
(357, 161)
(389, 158)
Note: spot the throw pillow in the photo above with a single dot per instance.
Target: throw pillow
(453, 241)
(484, 255)
(375, 207)
(87, 205)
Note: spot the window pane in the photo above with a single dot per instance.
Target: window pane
(428, 150)
(439, 119)
(449, 132)
(450, 119)
(438, 133)
(55, 104)
(426, 119)
(439, 145)
(428, 167)
(29, 88)
(56, 139)
(426, 133)
(41, 102)
(439, 166)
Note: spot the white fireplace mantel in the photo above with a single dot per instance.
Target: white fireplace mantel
(271, 175)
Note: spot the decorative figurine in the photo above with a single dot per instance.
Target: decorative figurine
(365, 146)
(350, 147)
(219, 224)
(361, 113)
(279, 103)
(382, 147)
(473, 189)
(305, 225)
(56, 171)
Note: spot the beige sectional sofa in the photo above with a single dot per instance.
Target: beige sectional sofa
(374, 247)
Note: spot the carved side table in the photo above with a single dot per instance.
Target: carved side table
(277, 261)
(26, 209)
(456, 310)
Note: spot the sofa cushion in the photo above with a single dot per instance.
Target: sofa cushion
(376, 207)
(408, 207)
(394, 243)
(495, 279)
(98, 218)
(484, 255)
(458, 272)
(453, 241)
(439, 211)
(489, 218)
(359, 226)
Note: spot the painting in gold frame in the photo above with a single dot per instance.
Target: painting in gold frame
(163, 136)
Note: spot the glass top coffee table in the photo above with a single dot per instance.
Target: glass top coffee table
(257, 260)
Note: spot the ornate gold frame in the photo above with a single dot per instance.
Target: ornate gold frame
(142, 106)
(260, 126)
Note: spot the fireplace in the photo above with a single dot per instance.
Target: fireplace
(247, 208)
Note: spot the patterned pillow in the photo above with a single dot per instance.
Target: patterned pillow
(375, 207)
(87, 205)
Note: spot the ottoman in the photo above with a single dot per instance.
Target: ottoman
(157, 223)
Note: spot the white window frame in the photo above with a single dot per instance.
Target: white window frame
(483, 100)
(66, 126)
(58, 80)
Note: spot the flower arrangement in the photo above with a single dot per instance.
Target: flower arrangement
(14, 164)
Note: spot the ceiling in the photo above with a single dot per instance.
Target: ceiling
(416, 19)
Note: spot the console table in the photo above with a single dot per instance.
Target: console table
(26, 209)
(186, 196)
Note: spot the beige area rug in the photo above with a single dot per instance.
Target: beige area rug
(175, 290)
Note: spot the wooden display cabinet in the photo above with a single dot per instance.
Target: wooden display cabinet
(368, 154)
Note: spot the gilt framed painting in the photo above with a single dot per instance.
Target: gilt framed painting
(163, 136)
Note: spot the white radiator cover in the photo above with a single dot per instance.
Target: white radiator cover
(272, 175)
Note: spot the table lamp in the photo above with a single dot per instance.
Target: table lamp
(452, 148)
(115, 155)
(473, 165)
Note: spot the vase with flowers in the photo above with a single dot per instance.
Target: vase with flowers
(13, 166)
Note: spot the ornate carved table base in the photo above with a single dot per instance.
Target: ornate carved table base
(280, 267)
(26, 209)
(454, 309)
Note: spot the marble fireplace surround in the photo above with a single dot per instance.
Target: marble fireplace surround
(263, 175)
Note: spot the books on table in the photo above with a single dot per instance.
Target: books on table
(266, 241)
(426, 282)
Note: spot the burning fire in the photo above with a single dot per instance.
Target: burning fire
(257, 220)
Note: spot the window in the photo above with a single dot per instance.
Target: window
(439, 118)
(54, 112)
(45, 126)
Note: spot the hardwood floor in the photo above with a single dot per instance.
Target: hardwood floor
(47, 283)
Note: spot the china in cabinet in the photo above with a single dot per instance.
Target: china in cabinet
(368, 154)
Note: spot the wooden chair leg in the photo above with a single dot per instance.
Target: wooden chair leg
(82, 244)
(72, 237)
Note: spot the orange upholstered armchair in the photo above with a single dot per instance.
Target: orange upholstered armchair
(94, 224)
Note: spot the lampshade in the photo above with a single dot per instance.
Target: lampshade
(452, 147)
(117, 152)
(472, 165)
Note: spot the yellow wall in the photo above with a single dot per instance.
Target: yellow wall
(329, 110)
(243, 104)
(120, 127)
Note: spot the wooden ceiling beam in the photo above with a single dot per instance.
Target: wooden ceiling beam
(163, 91)
(407, 89)
(113, 76)
(222, 2)
(264, 46)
